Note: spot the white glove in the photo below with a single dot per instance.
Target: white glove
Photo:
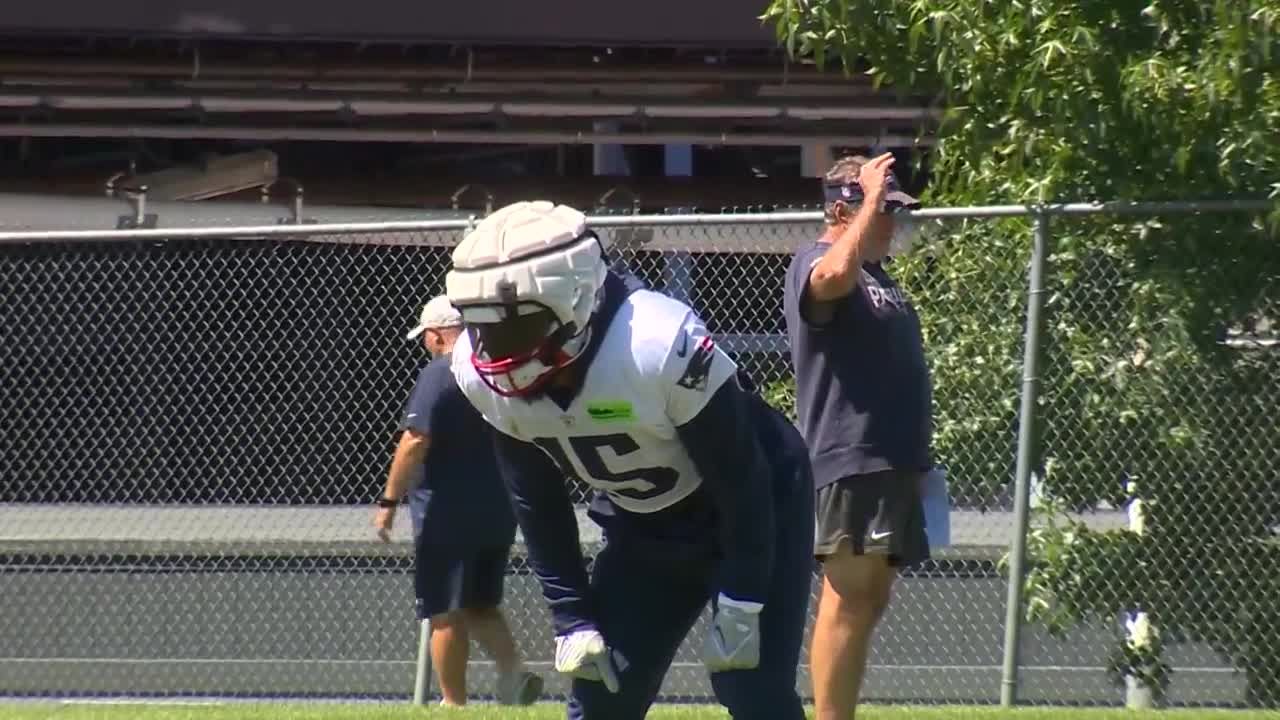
(733, 642)
(584, 654)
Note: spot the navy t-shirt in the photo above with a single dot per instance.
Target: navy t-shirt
(863, 394)
(460, 500)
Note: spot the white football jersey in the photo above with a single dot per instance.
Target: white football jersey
(654, 371)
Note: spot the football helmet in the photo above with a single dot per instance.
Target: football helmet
(527, 281)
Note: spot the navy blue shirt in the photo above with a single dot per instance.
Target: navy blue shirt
(863, 395)
(460, 501)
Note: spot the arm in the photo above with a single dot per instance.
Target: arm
(427, 408)
(410, 453)
(722, 444)
(713, 420)
(540, 498)
(835, 275)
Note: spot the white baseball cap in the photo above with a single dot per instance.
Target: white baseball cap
(438, 313)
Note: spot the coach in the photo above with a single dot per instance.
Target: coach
(864, 404)
(463, 523)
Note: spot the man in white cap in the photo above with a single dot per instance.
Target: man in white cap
(439, 325)
(463, 523)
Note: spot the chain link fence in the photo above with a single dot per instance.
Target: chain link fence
(195, 423)
(1158, 410)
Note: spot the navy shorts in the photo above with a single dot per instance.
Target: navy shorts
(446, 580)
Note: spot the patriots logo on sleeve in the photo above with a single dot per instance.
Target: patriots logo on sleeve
(699, 367)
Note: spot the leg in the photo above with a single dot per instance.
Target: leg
(449, 655)
(868, 526)
(484, 573)
(768, 692)
(649, 594)
(516, 686)
(490, 629)
(438, 583)
(855, 594)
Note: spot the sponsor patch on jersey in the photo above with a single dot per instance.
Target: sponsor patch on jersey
(610, 410)
(699, 367)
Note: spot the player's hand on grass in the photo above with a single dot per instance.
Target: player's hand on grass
(733, 642)
(384, 519)
(584, 654)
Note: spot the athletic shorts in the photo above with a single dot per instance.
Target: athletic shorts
(879, 513)
(445, 581)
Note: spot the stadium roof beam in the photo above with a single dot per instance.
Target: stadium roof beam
(392, 104)
(513, 87)
(516, 70)
(188, 131)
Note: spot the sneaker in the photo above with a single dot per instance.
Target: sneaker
(523, 688)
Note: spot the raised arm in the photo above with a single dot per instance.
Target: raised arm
(836, 273)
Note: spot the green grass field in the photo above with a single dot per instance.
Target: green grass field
(554, 711)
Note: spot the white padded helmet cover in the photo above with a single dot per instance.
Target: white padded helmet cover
(540, 249)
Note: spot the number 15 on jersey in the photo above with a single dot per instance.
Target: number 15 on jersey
(641, 484)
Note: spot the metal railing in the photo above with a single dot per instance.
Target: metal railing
(208, 410)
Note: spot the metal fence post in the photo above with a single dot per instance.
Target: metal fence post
(1026, 456)
(422, 674)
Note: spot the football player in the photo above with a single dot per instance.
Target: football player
(703, 492)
